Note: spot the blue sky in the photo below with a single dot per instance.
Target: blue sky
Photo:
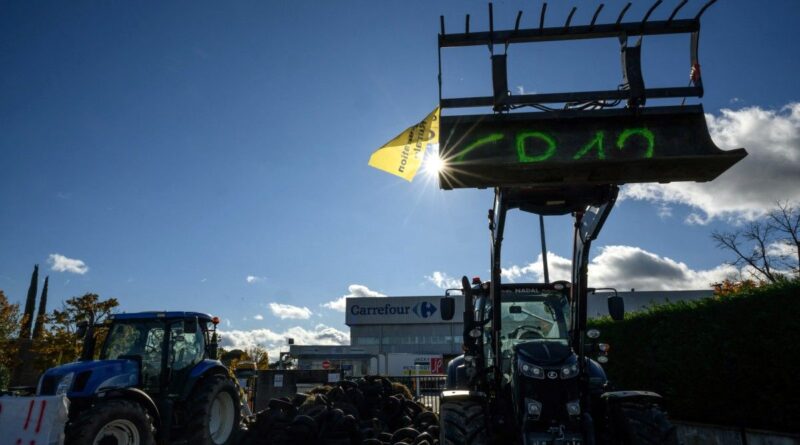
(177, 148)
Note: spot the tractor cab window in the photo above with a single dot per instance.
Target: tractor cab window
(142, 339)
(186, 349)
(483, 317)
(533, 316)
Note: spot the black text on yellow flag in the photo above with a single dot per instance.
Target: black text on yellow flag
(403, 155)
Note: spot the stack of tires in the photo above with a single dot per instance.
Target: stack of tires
(369, 411)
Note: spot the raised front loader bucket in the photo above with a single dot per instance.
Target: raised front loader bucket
(575, 147)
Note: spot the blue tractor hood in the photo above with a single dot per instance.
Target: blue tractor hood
(88, 378)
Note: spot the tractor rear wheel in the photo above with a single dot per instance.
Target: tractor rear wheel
(462, 422)
(214, 412)
(643, 424)
(111, 422)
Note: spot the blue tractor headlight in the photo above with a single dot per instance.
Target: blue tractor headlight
(530, 370)
(64, 384)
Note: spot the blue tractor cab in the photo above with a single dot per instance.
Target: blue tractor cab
(157, 380)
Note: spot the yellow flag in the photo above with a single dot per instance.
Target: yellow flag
(403, 155)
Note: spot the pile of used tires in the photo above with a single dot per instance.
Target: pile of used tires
(368, 411)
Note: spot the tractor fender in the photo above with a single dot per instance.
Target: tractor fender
(456, 373)
(136, 395)
(208, 367)
(201, 371)
(597, 377)
(614, 397)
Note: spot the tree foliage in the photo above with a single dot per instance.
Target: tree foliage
(30, 304)
(9, 329)
(259, 356)
(255, 354)
(768, 249)
(720, 360)
(60, 343)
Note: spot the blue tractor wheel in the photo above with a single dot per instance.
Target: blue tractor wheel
(111, 422)
(214, 412)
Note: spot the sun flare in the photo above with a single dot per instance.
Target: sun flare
(433, 164)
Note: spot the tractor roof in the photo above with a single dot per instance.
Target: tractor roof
(159, 315)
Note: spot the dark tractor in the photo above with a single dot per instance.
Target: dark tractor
(526, 375)
(157, 380)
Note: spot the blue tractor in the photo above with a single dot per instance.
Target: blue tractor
(157, 381)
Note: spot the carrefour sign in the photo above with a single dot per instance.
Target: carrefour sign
(395, 310)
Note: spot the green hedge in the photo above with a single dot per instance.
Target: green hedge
(732, 360)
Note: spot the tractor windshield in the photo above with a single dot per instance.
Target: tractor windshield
(137, 338)
(533, 315)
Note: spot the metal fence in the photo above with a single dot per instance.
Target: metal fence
(425, 388)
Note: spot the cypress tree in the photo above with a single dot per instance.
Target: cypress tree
(30, 305)
(40, 317)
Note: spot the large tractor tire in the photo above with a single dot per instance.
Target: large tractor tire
(214, 412)
(462, 422)
(111, 422)
(643, 424)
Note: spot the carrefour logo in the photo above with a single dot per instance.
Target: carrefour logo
(387, 309)
(424, 309)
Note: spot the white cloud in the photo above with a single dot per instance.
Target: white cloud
(258, 317)
(664, 211)
(275, 341)
(750, 188)
(285, 311)
(443, 281)
(782, 249)
(625, 267)
(356, 290)
(253, 279)
(60, 263)
(560, 268)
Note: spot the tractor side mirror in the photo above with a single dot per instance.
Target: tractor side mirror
(616, 308)
(213, 351)
(448, 307)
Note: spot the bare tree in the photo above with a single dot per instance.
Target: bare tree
(769, 247)
(786, 221)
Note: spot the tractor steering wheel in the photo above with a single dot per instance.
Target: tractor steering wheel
(524, 331)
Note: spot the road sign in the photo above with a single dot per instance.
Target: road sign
(616, 146)
(437, 365)
(326, 364)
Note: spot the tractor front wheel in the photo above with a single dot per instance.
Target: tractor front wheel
(462, 422)
(111, 422)
(214, 412)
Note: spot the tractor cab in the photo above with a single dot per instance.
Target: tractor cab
(157, 377)
(156, 352)
(166, 348)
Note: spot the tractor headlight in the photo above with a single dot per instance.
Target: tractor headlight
(574, 407)
(530, 370)
(533, 408)
(64, 384)
(569, 371)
